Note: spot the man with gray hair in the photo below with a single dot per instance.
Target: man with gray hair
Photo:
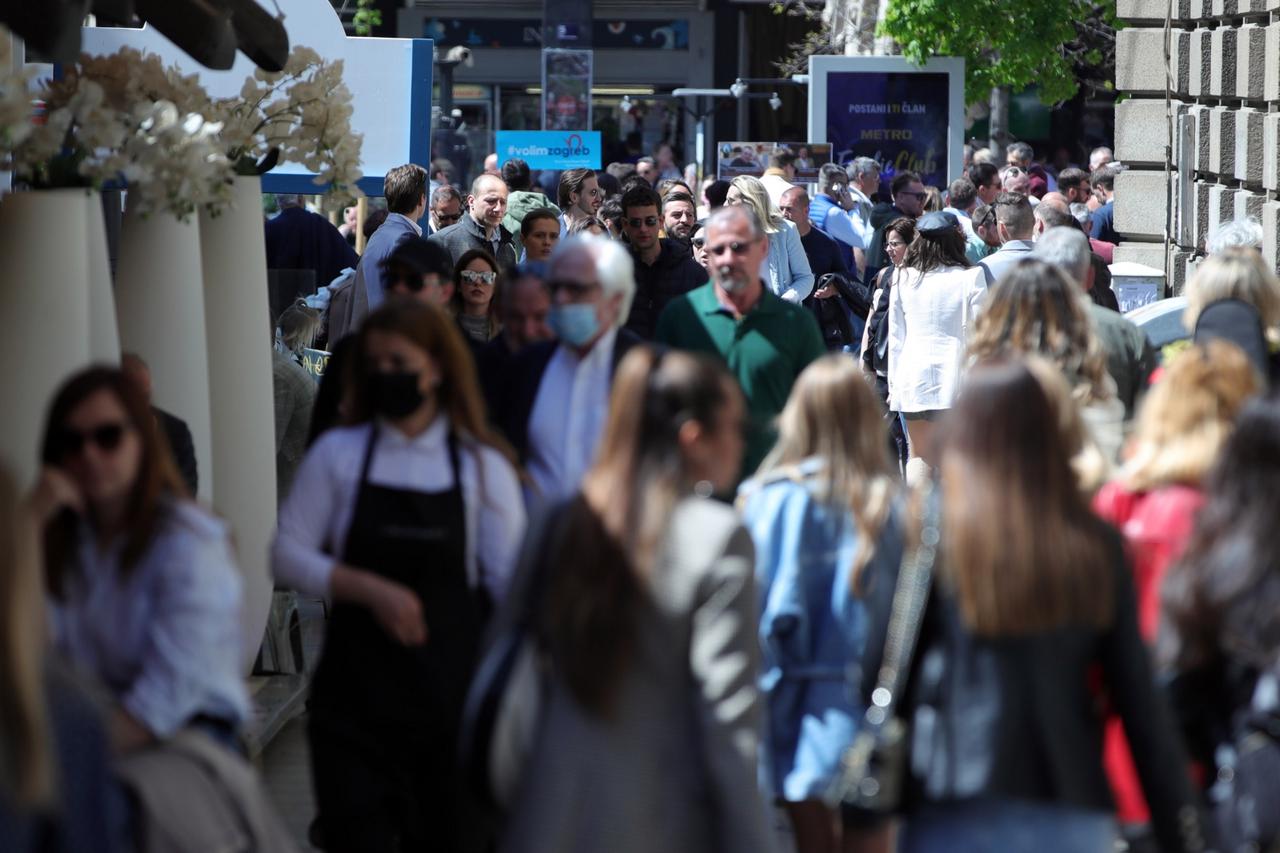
(1023, 156)
(1130, 356)
(557, 399)
(764, 341)
(838, 211)
(1239, 233)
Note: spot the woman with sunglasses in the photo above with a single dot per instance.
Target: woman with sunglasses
(145, 592)
(409, 520)
(786, 268)
(475, 280)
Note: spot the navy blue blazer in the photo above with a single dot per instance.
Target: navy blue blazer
(522, 381)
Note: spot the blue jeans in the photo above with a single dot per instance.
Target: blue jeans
(1007, 826)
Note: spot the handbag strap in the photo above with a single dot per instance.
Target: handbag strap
(910, 595)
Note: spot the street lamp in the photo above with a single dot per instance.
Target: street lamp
(701, 116)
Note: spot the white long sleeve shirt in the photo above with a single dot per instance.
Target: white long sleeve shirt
(316, 518)
(568, 419)
(931, 316)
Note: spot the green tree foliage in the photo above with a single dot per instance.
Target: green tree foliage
(367, 17)
(1013, 43)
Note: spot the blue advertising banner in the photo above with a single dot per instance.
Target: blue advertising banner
(907, 118)
(550, 149)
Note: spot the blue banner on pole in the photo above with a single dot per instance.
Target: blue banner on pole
(550, 149)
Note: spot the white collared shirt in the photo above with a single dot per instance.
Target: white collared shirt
(417, 229)
(316, 518)
(568, 419)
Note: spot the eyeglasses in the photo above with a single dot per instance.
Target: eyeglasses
(735, 247)
(474, 277)
(920, 195)
(448, 218)
(699, 242)
(895, 244)
(646, 221)
(576, 290)
(106, 437)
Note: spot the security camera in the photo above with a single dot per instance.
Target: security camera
(458, 55)
(738, 89)
(775, 101)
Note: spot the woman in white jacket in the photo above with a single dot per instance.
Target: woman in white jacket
(786, 270)
(933, 303)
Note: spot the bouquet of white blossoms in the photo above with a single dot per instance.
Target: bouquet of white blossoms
(301, 114)
(125, 116)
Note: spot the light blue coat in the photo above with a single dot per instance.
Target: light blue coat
(812, 626)
(787, 270)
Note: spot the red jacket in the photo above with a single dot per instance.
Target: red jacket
(1156, 526)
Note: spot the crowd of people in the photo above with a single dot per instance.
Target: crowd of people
(661, 520)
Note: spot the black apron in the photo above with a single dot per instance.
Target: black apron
(384, 717)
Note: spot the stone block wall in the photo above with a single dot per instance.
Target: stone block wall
(1224, 67)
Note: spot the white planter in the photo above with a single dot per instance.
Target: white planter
(44, 314)
(238, 332)
(104, 333)
(160, 309)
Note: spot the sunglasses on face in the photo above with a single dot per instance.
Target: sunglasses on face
(895, 244)
(448, 218)
(474, 277)
(411, 281)
(735, 247)
(699, 242)
(106, 437)
(647, 221)
(920, 195)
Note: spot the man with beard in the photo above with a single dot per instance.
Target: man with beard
(679, 215)
(664, 268)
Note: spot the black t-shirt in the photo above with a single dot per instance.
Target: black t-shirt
(823, 253)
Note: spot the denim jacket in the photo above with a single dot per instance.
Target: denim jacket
(812, 625)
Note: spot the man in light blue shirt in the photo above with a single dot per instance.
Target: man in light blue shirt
(1016, 224)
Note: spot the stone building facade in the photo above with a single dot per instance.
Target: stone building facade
(1223, 74)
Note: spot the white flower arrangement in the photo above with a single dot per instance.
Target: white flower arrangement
(301, 114)
(16, 113)
(127, 116)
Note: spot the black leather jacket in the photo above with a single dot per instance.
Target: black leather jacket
(1022, 716)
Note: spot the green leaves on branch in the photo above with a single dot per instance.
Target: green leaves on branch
(1014, 44)
(367, 17)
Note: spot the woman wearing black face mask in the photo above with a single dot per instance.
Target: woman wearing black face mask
(385, 517)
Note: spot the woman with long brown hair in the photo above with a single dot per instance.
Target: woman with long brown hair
(145, 592)
(409, 519)
(822, 509)
(647, 735)
(934, 301)
(56, 790)
(1031, 616)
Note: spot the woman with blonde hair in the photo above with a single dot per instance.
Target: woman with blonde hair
(1236, 273)
(1034, 309)
(822, 510)
(786, 270)
(1181, 427)
(56, 790)
(1235, 296)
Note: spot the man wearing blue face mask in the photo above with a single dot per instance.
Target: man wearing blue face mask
(557, 401)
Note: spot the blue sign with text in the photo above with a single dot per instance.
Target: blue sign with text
(899, 119)
(550, 149)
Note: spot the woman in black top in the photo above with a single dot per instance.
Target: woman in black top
(1030, 633)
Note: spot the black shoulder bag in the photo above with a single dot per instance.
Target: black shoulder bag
(873, 768)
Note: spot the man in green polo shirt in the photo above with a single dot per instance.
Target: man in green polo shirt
(764, 341)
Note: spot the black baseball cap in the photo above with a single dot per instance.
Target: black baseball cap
(422, 256)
